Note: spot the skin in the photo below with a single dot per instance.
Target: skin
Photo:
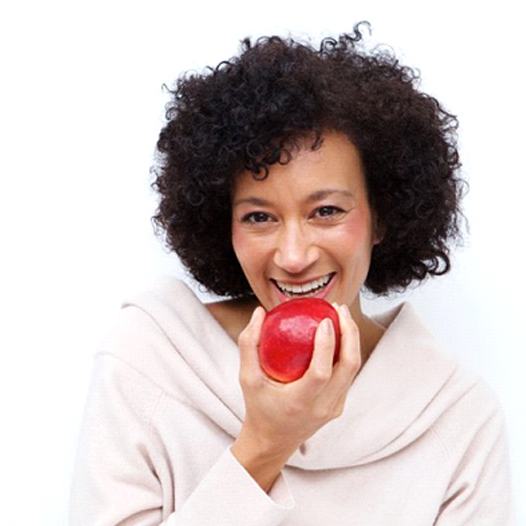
(292, 239)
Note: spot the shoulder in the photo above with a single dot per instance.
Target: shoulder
(474, 437)
(475, 417)
(155, 325)
(163, 333)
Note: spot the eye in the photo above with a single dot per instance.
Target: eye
(329, 211)
(255, 217)
(325, 212)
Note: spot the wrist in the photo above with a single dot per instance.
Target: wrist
(250, 441)
(262, 464)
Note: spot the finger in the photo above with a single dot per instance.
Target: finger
(346, 368)
(320, 367)
(248, 341)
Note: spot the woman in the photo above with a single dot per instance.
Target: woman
(284, 172)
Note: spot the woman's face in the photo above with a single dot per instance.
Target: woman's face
(307, 221)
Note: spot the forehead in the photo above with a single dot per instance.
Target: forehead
(336, 164)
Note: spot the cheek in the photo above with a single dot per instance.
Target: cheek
(238, 242)
(244, 245)
(352, 234)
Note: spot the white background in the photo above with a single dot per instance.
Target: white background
(81, 106)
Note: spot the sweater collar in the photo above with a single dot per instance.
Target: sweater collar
(398, 395)
(403, 388)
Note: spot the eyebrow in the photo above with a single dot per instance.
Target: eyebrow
(315, 196)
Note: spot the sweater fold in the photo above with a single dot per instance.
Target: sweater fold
(421, 440)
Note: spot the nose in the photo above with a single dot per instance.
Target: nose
(295, 250)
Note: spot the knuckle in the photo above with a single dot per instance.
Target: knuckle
(336, 415)
(354, 326)
(322, 414)
(356, 362)
(321, 375)
(354, 331)
(339, 410)
(244, 379)
(248, 379)
(244, 339)
(353, 362)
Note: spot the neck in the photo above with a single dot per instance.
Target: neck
(370, 331)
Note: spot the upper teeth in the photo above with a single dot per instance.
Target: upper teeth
(306, 287)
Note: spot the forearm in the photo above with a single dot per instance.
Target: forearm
(264, 466)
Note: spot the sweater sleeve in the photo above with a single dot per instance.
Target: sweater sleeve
(479, 492)
(115, 480)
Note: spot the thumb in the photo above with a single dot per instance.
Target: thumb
(248, 344)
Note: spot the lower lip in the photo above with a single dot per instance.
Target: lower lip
(321, 294)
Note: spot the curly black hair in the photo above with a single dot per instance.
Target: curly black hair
(247, 112)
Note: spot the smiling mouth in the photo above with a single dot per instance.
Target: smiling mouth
(307, 294)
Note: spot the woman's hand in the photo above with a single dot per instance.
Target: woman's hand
(281, 416)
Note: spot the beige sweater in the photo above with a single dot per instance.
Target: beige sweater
(421, 441)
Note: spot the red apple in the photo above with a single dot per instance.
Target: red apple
(287, 337)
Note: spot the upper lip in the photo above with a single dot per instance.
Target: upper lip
(289, 282)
